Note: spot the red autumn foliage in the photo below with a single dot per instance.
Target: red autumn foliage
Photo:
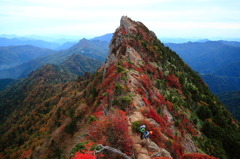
(83, 156)
(112, 130)
(152, 114)
(169, 105)
(169, 133)
(149, 68)
(140, 91)
(109, 79)
(146, 101)
(133, 31)
(97, 114)
(25, 154)
(160, 99)
(173, 81)
(123, 31)
(160, 73)
(196, 156)
(177, 148)
(161, 158)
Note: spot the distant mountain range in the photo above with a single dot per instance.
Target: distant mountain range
(106, 37)
(92, 49)
(38, 43)
(206, 57)
(15, 55)
(66, 45)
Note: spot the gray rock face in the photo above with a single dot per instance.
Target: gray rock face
(188, 144)
(158, 152)
(127, 23)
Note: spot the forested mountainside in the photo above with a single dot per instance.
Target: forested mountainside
(220, 84)
(92, 49)
(141, 83)
(15, 55)
(218, 64)
(231, 100)
(4, 83)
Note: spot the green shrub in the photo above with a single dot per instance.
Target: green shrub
(91, 118)
(136, 125)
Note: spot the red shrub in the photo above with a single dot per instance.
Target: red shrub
(169, 105)
(152, 114)
(196, 156)
(112, 130)
(83, 156)
(169, 133)
(173, 81)
(146, 101)
(177, 148)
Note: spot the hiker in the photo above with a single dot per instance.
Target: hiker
(142, 130)
(146, 134)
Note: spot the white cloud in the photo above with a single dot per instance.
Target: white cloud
(100, 16)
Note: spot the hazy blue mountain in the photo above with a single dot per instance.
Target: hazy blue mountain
(93, 49)
(179, 40)
(15, 55)
(231, 43)
(9, 36)
(66, 45)
(38, 43)
(106, 37)
(206, 57)
(203, 40)
(231, 70)
(61, 39)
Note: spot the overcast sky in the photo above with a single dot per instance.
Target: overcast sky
(167, 18)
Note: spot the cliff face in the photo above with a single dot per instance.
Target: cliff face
(141, 83)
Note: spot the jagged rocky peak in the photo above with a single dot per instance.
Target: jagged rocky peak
(123, 41)
(127, 23)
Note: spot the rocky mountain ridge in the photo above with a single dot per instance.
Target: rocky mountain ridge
(141, 83)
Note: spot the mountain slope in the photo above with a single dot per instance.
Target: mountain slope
(141, 83)
(66, 45)
(219, 84)
(231, 100)
(92, 49)
(16, 55)
(95, 49)
(230, 70)
(7, 82)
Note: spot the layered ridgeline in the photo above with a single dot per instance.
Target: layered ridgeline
(92, 49)
(141, 83)
(15, 55)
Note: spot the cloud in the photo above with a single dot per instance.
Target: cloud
(67, 16)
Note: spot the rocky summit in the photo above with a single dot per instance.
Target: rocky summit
(142, 82)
